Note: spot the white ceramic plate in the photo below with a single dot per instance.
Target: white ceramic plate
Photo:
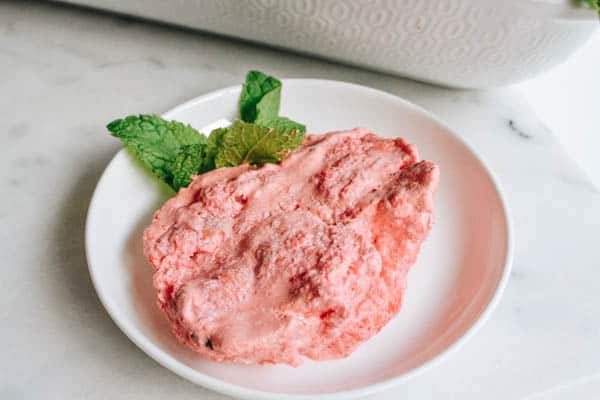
(460, 273)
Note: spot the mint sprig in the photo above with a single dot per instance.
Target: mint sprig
(175, 152)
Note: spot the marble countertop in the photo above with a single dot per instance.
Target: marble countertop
(566, 98)
(66, 72)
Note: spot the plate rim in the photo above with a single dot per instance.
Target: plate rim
(168, 361)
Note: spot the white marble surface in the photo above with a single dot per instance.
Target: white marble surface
(566, 98)
(66, 72)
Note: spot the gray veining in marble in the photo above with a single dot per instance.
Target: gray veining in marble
(65, 72)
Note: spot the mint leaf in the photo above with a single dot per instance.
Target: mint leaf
(281, 123)
(186, 164)
(260, 97)
(212, 146)
(156, 142)
(259, 102)
(268, 106)
(253, 144)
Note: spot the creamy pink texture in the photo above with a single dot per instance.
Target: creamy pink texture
(308, 257)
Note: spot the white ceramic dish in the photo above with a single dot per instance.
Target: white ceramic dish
(462, 43)
(456, 282)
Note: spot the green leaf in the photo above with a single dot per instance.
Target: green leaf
(186, 164)
(260, 97)
(253, 144)
(594, 4)
(281, 123)
(156, 142)
(213, 144)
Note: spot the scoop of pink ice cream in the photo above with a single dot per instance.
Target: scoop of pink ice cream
(305, 258)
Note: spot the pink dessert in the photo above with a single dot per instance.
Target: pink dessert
(305, 258)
